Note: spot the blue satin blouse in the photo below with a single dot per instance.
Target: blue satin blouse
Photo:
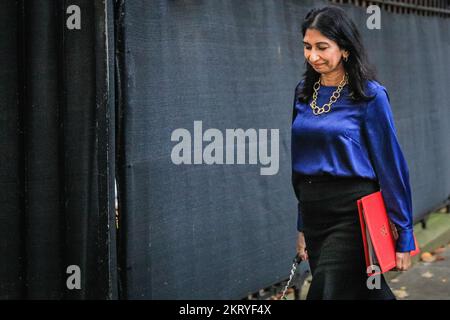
(355, 140)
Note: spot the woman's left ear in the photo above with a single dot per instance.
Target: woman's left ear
(345, 56)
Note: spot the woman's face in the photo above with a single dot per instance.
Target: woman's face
(323, 54)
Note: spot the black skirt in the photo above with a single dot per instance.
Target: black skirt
(333, 237)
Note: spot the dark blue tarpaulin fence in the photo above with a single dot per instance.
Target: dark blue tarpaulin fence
(223, 231)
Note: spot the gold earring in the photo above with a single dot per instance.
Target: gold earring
(345, 58)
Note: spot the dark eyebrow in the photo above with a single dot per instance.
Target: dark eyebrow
(304, 42)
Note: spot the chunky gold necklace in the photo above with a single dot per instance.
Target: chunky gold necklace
(327, 106)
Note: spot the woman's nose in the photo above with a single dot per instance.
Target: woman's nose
(313, 58)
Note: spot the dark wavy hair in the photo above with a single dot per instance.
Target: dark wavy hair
(334, 24)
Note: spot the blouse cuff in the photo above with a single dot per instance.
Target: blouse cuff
(405, 241)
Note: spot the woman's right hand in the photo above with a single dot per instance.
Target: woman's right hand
(301, 247)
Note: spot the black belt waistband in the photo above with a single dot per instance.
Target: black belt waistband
(320, 187)
(315, 178)
(327, 178)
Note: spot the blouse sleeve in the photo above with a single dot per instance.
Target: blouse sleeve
(390, 167)
(294, 174)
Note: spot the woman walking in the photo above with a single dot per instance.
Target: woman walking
(344, 146)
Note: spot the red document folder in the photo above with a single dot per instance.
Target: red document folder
(378, 233)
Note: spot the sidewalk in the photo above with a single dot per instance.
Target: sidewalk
(428, 279)
(425, 280)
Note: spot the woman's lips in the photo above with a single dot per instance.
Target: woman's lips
(318, 65)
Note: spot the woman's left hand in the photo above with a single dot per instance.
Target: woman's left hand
(403, 261)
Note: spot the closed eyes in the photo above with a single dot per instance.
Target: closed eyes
(320, 48)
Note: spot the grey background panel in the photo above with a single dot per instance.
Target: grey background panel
(200, 231)
(223, 231)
